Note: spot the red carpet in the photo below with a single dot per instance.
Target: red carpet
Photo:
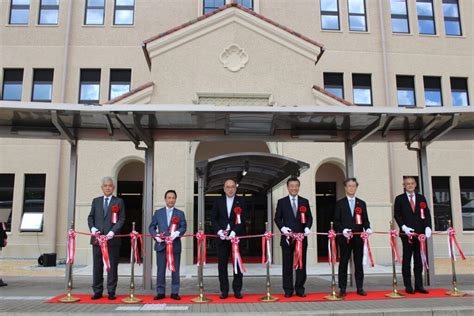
(252, 298)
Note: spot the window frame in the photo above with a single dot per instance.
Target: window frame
(354, 87)
(334, 74)
(366, 29)
(330, 13)
(42, 83)
(10, 192)
(124, 8)
(19, 7)
(450, 206)
(451, 18)
(400, 16)
(111, 82)
(89, 82)
(431, 18)
(466, 81)
(461, 197)
(25, 211)
(10, 81)
(48, 7)
(432, 89)
(399, 88)
(87, 7)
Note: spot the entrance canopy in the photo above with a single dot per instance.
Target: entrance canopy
(255, 172)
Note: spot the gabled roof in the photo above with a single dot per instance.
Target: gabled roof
(236, 7)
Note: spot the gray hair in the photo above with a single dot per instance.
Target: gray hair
(107, 179)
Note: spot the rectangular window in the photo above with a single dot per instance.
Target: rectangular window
(49, 12)
(124, 12)
(362, 89)
(119, 82)
(7, 182)
(246, 3)
(19, 12)
(12, 84)
(89, 91)
(466, 185)
(459, 91)
(42, 85)
(211, 5)
(330, 15)
(441, 203)
(399, 15)
(33, 203)
(433, 95)
(406, 90)
(333, 82)
(95, 12)
(426, 21)
(357, 15)
(452, 20)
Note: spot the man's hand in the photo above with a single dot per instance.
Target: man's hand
(369, 231)
(285, 230)
(408, 230)
(307, 231)
(94, 231)
(110, 235)
(158, 239)
(231, 235)
(428, 232)
(173, 235)
(346, 232)
(221, 234)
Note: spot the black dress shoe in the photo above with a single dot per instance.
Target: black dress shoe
(112, 296)
(288, 294)
(301, 294)
(342, 293)
(409, 290)
(361, 292)
(238, 295)
(175, 297)
(159, 297)
(2, 283)
(223, 296)
(96, 296)
(421, 290)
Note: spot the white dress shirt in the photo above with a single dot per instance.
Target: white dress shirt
(414, 197)
(352, 202)
(169, 213)
(230, 202)
(291, 197)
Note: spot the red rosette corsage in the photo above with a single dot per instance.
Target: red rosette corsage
(358, 213)
(422, 210)
(303, 210)
(174, 223)
(237, 211)
(115, 210)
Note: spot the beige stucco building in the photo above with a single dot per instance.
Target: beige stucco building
(234, 56)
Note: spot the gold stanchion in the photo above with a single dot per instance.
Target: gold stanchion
(333, 296)
(454, 291)
(394, 293)
(201, 298)
(132, 299)
(268, 297)
(69, 298)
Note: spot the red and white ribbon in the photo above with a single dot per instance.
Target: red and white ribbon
(298, 254)
(424, 255)
(367, 251)
(422, 213)
(170, 254)
(71, 246)
(451, 239)
(266, 248)
(236, 257)
(237, 211)
(105, 251)
(332, 251)
(303, 214)
(135, 237)
(201, 240)
(394, 246)
(358, 212)
(115, 211)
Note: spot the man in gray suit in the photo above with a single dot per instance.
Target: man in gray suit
(107, 217)
(168, 221)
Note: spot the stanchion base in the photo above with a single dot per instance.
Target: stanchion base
(455, 292)
(333, 297)
(268, 298)
(201, 299)
(395, 294)
(69, 299)
(131, 300)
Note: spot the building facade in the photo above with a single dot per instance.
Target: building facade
(397, 53)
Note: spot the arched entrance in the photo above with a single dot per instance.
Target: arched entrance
(329, 188)
(256, 203)
(130, 189)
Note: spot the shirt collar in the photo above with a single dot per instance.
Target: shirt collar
(351, 198)
(291, 197)
(169, 209)
(108, 197)
(408, 194)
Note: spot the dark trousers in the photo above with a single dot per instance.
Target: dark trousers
(287, 269)
(356, 245)
(224, 251)
(98, 270)
(409, 250)
(161, 276)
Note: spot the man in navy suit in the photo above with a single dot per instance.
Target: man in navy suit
(351, 217)
(3, 243)
(413, 216)
(162, 225)
(226, 224)
(288, 218)
(102, 221)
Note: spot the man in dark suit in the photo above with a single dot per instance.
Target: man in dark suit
(227, 224)
(293, 215)
(3, 243)
(351, 217)
(107, 217)
(168, 221)
(413, 216)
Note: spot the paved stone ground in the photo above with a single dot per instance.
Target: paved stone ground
(26, 295)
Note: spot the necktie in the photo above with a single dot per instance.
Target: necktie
(352, 206)
(412, 203)
(293, 206)
(106, 204)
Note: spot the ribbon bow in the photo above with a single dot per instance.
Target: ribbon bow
(236, 257)
(201, 239)
(332, 251)
(424, 257)
(266, 248)
(451, 239)
(298, 255)
(134, 238)
(367, 251)
(393, 245)
(104, 249)
(71, 246)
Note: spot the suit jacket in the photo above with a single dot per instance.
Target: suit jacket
(160, 222)
(404, 215)
(104, 225)
(284, 217)
(3, 235)
(343, 217)
(219, 217)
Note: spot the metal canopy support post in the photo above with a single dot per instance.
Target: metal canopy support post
(71, 205)
(148, 213)
(349, 153)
